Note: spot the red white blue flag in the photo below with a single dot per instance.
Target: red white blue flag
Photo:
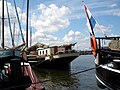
(90, 20)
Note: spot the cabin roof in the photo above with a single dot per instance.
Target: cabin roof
(37, 45)
(40, 45)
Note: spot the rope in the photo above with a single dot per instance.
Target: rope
(22, 6)
(10, 25)
(79, 72)
(19, 22)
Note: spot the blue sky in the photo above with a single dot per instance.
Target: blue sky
(56, 22)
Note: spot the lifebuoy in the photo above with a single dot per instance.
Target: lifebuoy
(93, 44)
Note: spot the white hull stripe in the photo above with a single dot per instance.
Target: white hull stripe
(102, 82)
(110, 69)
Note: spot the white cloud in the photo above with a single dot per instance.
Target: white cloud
(116, 13)
(113, 5)
(67, 38)
(51, 18)
(71, 33)
(102, 29)
(44, 38)
(99, 29)
(12, 14)
(72, 36)
(42, 7)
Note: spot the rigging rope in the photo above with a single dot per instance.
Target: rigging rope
(19, 22)
(23, 4)
(10, 24)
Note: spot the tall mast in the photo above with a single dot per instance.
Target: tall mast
(30, 36)
(27, 23)
(2, 23)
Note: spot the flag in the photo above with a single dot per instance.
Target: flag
(90, 20)
(91, 25)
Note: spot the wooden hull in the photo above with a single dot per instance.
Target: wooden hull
(19, 84)
(36, 61)
(12, 76)
(11, 71)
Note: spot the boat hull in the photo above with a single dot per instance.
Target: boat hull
(19, 84)
(58, 61)
(108, 77)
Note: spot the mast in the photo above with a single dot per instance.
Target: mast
(14, 34)
(30, 36)
(27, 23)
(2, 23)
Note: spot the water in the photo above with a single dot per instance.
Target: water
(81, 81)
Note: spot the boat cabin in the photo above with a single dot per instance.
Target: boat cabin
(51, 50)
(54, 50)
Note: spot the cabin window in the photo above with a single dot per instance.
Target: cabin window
(46, 51)
(43, 52)
(40, 52)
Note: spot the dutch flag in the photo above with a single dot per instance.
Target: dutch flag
(91, 25)
(90, 20)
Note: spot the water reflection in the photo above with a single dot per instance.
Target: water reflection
(59, 80)
(81, 81)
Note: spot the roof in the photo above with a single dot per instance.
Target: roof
(40, 45)
(35, 46)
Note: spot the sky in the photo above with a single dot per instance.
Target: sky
(57, 22)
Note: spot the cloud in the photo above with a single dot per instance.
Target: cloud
(99, 29)
(113, 5)
(102, 29)
(44, 38)
(12, 14)
(98, 8)
(51, 18)
(71, 36)
(47, 20)
(116, 13)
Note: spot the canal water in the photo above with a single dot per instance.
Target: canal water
(63, 80)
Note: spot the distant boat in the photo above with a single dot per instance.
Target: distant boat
(107, 57)
(57, 57)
